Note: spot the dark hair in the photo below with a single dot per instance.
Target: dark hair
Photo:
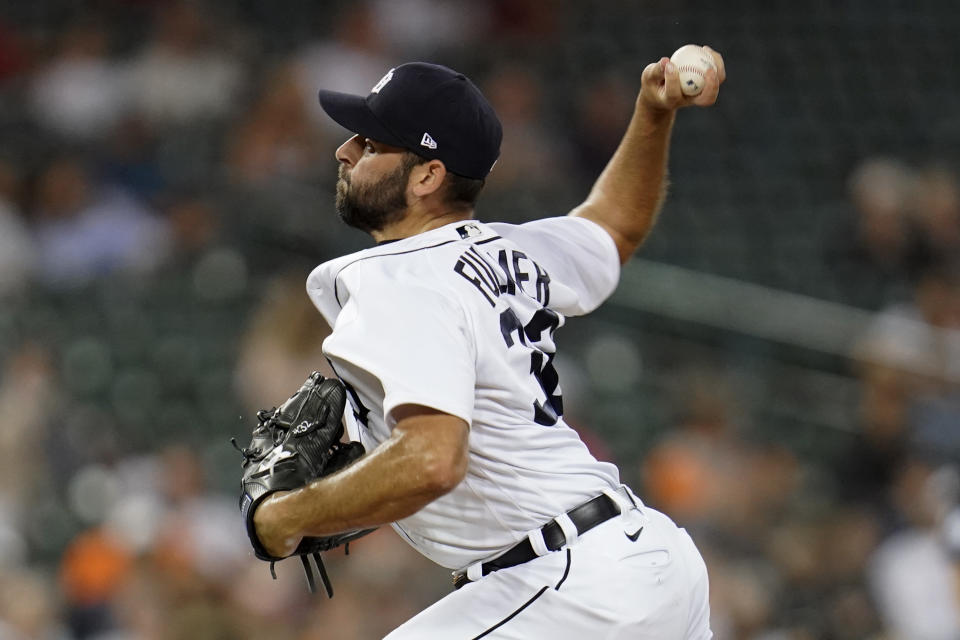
(460, 192)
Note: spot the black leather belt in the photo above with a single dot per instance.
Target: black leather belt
(585, 517)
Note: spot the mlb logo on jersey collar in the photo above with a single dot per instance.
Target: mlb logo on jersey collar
(469, 230)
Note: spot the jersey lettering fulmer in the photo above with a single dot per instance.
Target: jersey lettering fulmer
(507, 275)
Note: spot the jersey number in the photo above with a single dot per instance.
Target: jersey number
(541, 361)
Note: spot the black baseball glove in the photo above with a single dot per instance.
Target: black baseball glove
(292, 446)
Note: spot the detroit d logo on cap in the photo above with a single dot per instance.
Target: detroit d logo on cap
(383, 81)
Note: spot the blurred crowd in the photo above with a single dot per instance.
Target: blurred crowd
(166, 183)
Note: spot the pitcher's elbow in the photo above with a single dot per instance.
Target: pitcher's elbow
(442, 474)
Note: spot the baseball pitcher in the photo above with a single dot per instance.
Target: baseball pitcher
(444, 341)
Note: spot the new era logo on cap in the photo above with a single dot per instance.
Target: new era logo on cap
(428, 142)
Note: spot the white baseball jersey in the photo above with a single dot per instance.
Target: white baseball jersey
(462, 319)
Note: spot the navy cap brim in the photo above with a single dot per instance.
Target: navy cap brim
(354, 114)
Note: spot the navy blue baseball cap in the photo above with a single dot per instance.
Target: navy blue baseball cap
(428, 109)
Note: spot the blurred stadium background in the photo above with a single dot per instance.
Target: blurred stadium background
(778, 370)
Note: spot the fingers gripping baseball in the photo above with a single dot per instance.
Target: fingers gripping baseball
(714, 78)
(661, 87)
(718, 63)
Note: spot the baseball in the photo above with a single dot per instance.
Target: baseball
(692, 61)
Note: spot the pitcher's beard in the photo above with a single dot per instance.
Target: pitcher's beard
(372, 207)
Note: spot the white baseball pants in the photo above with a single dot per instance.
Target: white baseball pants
(603, 586)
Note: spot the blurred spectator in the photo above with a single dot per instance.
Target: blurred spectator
(706, 475)
(17, 252)
(27, 395)
(86, 231)
(141, 608)
(603, 112)
(195, 225)
(734, 495)
(181, 75)
(81, 92)
(377, 563)
(534, 166)
(275, 605)
(129, 159)
(418, 28)
(909, 365)
(163, 523)
(350, 618)
(936, 211)
(951, 535)
(912, 575)
(276, 139)
(820, 559)
(153, 607)
(28, 607)
(934, 417)
(203, 619)
(866, 467)
(93, 570)
(13, 58)
(198, 537)
(352, 61)
(742, 597)
(281, 346)
(878, 251)
(526, 22)
(13, 545)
